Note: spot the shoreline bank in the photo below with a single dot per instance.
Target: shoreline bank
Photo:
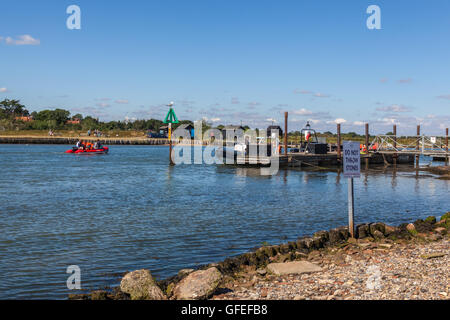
(268, 270)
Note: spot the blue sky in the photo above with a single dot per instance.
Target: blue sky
(228, 61)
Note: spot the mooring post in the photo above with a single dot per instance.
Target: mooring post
(367, 147)
(417, 146)
(339, 141)
(446, 147)
(394, 156)
(170, 145)
(285, 133)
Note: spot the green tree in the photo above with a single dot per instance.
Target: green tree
(12, 108)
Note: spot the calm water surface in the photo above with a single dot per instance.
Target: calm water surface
(129, 210)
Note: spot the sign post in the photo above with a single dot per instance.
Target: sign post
(170, 118)
(352, 169)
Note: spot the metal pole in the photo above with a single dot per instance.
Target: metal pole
(395, 145)
(285, 133)
(170, 145)
(367, 146)
(446, 147)
(417, 146)
(351, 208)
(339, 141)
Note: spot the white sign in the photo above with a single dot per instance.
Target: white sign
(352, 159)
(433, 139)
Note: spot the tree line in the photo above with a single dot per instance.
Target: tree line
(15, 116)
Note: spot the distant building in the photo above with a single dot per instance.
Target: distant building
(164, 131)
(226, 128)
(73, 121)
(25, 119)
(189, 128)
(275, 128)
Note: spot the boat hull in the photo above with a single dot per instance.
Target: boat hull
(103, 150)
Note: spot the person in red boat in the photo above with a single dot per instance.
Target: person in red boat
(97, 145)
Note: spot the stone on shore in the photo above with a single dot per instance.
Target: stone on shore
(198, 285)
(295, 267)
(388, 230)
(185, 272)
(140, 285)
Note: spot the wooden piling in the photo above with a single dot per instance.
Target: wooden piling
(285, 133)
(367, 146)
(394, 156)
(339, 140)
(417, 146)
(446, 147)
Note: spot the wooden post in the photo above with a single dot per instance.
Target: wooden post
(417, 146)
(339, 141)
(367, 146)
(285, 133)
(394, 156)
(446, 147)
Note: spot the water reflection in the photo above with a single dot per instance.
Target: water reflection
(394, 178)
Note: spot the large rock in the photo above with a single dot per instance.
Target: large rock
(338, 235)
(388, 230)
(362, 231)
(198, 285)
(378, 226)
(423, 226)
(296, 267)
(140, 285)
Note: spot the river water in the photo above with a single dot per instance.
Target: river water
(129, 210)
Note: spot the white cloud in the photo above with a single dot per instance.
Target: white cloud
(235, 100)
(408, 80)
(122, 101)
(394, 108)
(3, 90)
(337, 121)
(102, 105)
(254, 104)
(321, 95)
(358, 123)
(23, 40)
(302, 91)
(444, 96)
(303, 112)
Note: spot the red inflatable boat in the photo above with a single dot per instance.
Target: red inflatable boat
(103, 150)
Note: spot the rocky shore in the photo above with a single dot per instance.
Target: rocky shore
(410, 261)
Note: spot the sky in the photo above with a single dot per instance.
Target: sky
(229, 61)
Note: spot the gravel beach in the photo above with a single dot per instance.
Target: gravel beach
(362, 270)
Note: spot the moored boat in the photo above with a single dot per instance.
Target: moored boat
(76, 150)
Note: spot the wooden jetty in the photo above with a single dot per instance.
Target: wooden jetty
(332, 159)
